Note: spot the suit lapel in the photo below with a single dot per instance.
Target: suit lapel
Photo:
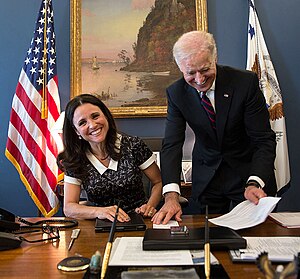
(223, 97)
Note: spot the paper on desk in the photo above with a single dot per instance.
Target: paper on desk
(279, 248)
(171, 223)
(247, 214)
(287, 219)
(128, 251)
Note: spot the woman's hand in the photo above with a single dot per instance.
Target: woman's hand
(110, 212)
(146, 210)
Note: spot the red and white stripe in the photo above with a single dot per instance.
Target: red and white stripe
(31, 146)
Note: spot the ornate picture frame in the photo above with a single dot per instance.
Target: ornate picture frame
(147, 71)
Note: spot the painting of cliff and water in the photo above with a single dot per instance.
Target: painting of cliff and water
(125, 52)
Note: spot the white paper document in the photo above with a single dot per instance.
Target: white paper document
(128, 251)
(279, 249)
(287, 219)
(171, 223)
(138, 257)
(247, 214)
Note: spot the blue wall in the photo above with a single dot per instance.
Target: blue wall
(227, 20)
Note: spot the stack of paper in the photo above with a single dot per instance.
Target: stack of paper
(287, 219)
(279, 249)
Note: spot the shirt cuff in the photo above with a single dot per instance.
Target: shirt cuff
(171, 187)
(148, 163)
(257, 179)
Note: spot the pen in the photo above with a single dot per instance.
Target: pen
(109, 244)
(206, 247)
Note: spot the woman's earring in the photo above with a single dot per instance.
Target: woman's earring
(79, 137)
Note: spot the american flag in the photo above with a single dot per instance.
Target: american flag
(35, 108)
(259, 61)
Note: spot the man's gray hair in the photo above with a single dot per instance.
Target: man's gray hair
(192, 43)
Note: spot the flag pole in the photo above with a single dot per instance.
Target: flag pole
(44, 108)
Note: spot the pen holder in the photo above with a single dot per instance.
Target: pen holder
(290, 271)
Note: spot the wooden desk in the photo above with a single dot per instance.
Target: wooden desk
(40, 260)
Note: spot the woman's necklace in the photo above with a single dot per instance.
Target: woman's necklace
(98, 156)
(103, 159)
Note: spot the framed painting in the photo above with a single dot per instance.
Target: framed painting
(121, 50)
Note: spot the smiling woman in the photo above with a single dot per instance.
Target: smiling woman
(106, 164)
(91, 124)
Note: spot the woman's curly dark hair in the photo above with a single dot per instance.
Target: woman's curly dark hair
(74, 154)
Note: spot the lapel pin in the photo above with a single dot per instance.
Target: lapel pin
(226, 95)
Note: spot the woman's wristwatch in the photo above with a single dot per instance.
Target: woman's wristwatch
(253, 183)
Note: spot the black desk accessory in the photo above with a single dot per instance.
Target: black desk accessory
(9, 241)
(11, 223)
(220, 238)
(136, 223)
(7, 221)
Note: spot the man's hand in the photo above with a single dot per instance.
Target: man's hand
(170, 208)
(253, 194)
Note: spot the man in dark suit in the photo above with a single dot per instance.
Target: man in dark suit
(234, 150)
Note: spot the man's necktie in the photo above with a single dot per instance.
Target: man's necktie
(205, 102)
